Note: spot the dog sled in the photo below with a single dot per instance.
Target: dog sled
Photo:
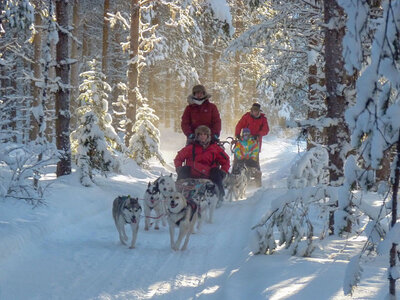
(191, 188)
(203, 193)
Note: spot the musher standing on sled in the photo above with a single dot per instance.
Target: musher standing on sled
(257, 123)
(200, 111)
(203, 159)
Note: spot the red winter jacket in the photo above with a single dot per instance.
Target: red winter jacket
(204, 159)
(204, 114)
(258, 126)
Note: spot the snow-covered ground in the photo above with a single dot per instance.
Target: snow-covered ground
(69, 249)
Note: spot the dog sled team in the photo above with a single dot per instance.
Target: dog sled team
(202, 168)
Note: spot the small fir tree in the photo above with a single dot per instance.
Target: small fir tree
(145, 140)
(96, 128)
(92, 153)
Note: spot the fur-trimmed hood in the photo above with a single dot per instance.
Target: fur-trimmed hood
(191, 100)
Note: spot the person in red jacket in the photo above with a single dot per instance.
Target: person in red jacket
(257, 122)
(200, 111)
(203, 159)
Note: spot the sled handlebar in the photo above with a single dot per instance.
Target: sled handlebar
(230, 141)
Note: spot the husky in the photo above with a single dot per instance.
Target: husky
(126, 210)
(237, 182)
(183, 215)
(206, 198)
(153, 200)
(211, 194)
(166, 184)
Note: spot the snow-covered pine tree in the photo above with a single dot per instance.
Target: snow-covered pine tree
(43, 87)
(145, 140)
(16, 18)
(280, 42)
(23, 156)
(374, 119)
(93, 98)
(92, 150)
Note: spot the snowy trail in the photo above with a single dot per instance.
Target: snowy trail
(74, 252)
(99, 267)
(96, 259)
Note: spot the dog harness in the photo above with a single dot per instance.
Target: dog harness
(194, 209)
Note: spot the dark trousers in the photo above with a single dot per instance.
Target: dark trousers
(216, 176)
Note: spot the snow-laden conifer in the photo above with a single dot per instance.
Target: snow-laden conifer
(95, 142)
(92, 150)
(374, 119)
(145, 140)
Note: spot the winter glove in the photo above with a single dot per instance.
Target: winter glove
(215, 138)
(178, 169)
(190, 139)
(223, 174)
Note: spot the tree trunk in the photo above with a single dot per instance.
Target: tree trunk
(75, 47)
(37, 54)
(315, 135)
(62, 95)
(337, 135)
(236, 89)
(133, 72)
(393, 250)
(106, 27)
(334, 74)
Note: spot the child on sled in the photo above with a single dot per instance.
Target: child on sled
(246, 153)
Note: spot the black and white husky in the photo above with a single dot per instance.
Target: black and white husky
(206, 198)
(211, 194)
(126, 210)
(153, 201)
(183, 215)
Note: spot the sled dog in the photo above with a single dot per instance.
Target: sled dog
(183, 215)
(153, 201)
(206, 198)
(166, 184)
(126, 210)
(211, 195)
(237, 183)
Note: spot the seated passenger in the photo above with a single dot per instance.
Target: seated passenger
(247, 149)
(203, 159)
(247, 153)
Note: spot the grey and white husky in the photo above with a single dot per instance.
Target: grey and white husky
(126, 210)
(236, 183)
